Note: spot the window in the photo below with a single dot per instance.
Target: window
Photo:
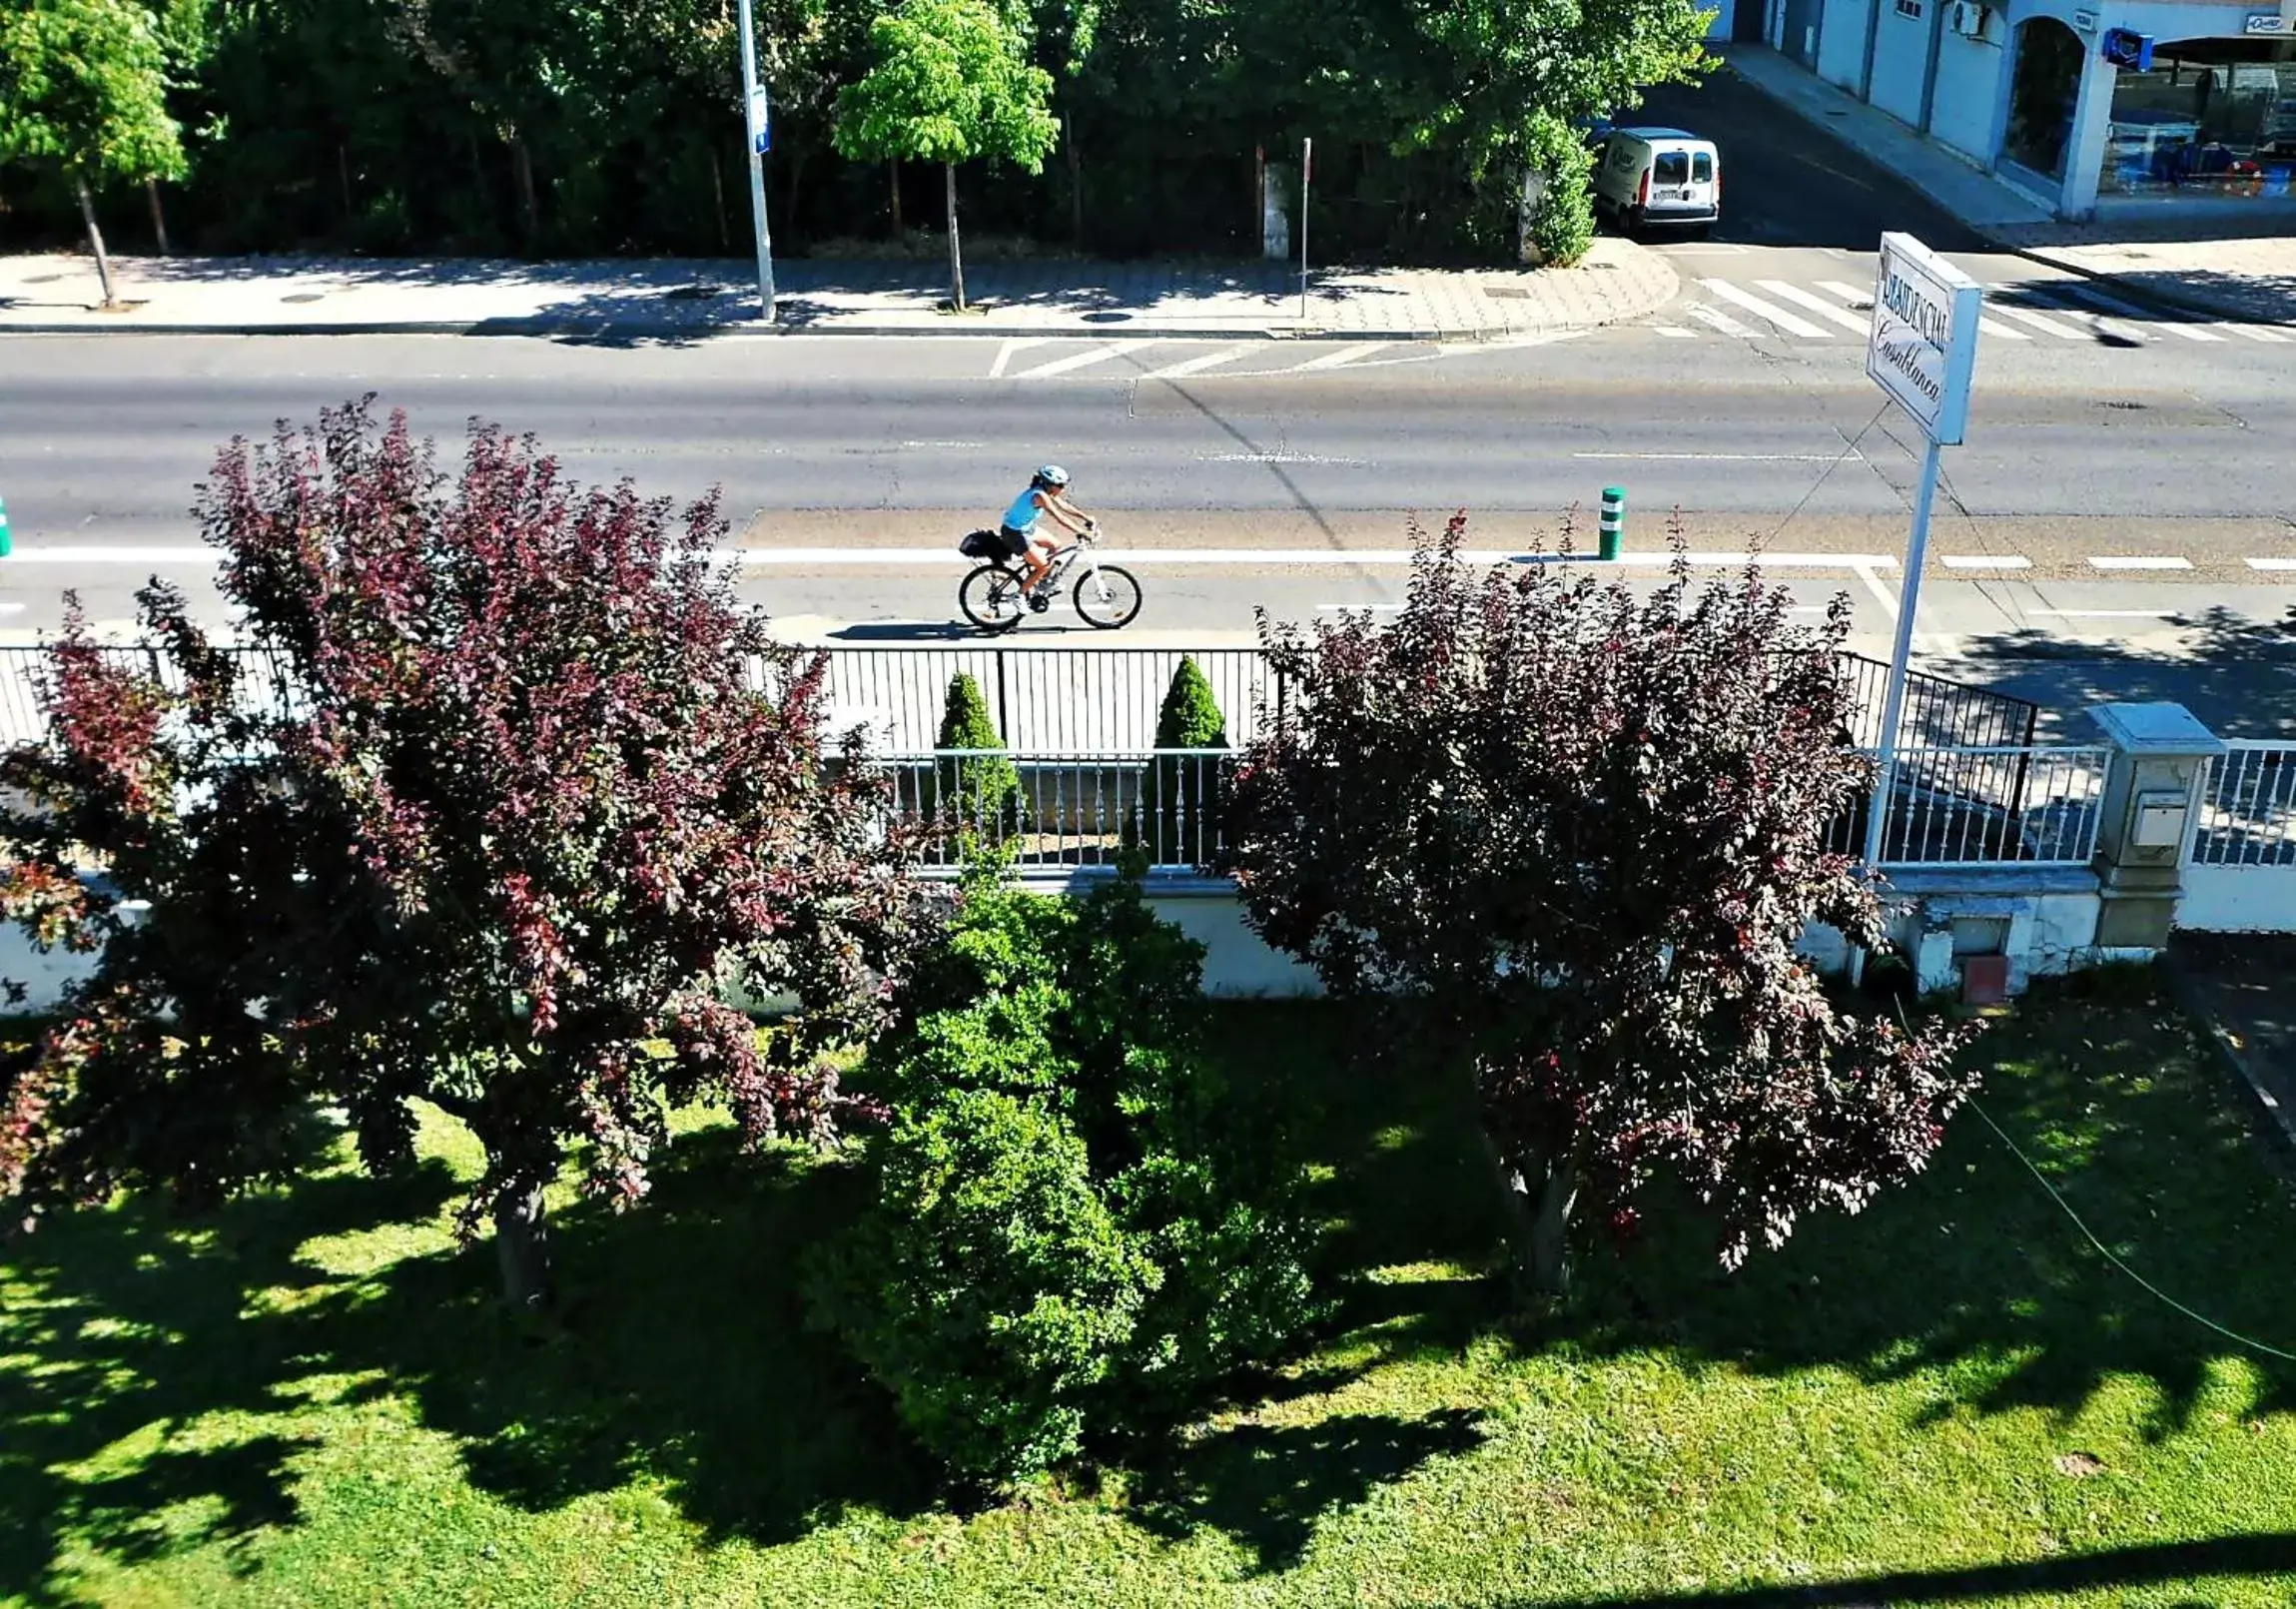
(1911, 10)
(1701, 169)
(1670, 168)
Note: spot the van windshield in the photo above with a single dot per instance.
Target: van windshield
(1701, 169)
(1670, 168)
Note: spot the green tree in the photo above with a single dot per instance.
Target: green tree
(83, 84)
(1184, 792)
(1509, 77)
(979, 792)
(952, 82)
(1072, 1233)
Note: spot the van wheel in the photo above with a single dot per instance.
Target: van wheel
(1701, 231)
(1630, 224)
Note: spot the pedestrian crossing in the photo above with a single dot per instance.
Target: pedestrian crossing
(2028, 314)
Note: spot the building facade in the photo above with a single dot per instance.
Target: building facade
(2089, 106)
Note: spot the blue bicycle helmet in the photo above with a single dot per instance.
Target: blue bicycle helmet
(1053, 475)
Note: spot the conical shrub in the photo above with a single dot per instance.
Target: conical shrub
(1181, 795)
(977, 794)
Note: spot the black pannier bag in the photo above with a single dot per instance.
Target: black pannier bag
(983, 544)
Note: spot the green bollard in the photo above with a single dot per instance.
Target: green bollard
(7, 542)
(1614, 521)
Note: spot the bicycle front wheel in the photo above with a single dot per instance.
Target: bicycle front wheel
(991, 598)
(1108, 597)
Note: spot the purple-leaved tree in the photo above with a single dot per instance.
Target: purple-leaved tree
(1579, 833)
(515, 830)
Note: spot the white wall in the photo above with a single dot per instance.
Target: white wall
(1969, 81)
(1900, 58)
(1842, 47)
(2238, 899)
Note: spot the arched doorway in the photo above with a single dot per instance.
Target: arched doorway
(2042, 90)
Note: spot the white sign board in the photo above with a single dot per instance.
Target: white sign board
(1923, 347)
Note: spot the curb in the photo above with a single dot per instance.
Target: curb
(583, 330)
(2162, 298)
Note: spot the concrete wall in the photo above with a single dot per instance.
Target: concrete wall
(2238, 899)
(1900, 60)
(1842, 47)
(1969, 83)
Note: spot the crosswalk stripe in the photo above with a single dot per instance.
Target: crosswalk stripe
(1719, 320)
(1675, 332)
(2255, 332)
(1346, 355)
(1856, 296)
(2001, 332)
(2047, 326)
(2119, 328)
(1196, 365)
(1777, 315)
(1081, 360)
(2130, 311)
(1823, 308)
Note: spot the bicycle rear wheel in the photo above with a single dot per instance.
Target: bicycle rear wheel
(1108, 597)
(991, 598)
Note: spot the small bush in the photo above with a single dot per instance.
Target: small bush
(980, 794)
(1562, 222)
(1180, 796)
(1069, 1243)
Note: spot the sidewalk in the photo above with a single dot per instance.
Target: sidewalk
(2242, 988)
(679, 301)
(2180, 255)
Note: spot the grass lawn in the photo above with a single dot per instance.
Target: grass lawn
(312, 1400)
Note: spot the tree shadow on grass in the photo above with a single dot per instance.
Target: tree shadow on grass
(1269, 1487)
(128, 1326)
(680, 1353)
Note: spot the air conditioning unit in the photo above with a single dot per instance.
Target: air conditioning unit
(1969, 19)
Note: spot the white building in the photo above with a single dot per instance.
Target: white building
(2025, 90)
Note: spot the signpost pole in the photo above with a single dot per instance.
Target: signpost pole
(755, 114)
(1306, 170)
(1900, 657)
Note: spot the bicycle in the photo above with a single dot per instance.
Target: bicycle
(1106, 596)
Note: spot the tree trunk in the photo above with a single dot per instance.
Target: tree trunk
(1076, 194)
(1538, 1221)
(522, 160)
(95, 238)
(342, 179)
(523, 1247)
(894, 168)
(159, 216)
(956, 256)
(717, 185)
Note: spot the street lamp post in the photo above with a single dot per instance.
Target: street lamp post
(757, 117)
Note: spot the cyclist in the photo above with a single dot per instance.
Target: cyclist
(1047, 494)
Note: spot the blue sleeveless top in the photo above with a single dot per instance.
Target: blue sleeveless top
(1022, 516)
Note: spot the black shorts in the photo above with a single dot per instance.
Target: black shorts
(1014, 542)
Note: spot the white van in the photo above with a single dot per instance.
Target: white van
(1658, 175)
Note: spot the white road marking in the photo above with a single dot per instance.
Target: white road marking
(1719, 320)
(2056, 300)
(1278, 457)
(1084, 360)
(113, 555)
(1882, 594)
(2254, 332)
(2104, 614)
(1675, 332)
(2273, 564)
(2001, 332)
(1358, 609)
(2047, 326)
(1823, 308)
(1732, 457)
(2145, 563)
(1005, 352)
(2130, 311)
(1345, 355)
(1859, 299)
(1970, 561)
(1196, 365)
(1767, 309)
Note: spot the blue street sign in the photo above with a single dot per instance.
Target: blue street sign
(2124, 47)
(760, 122)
